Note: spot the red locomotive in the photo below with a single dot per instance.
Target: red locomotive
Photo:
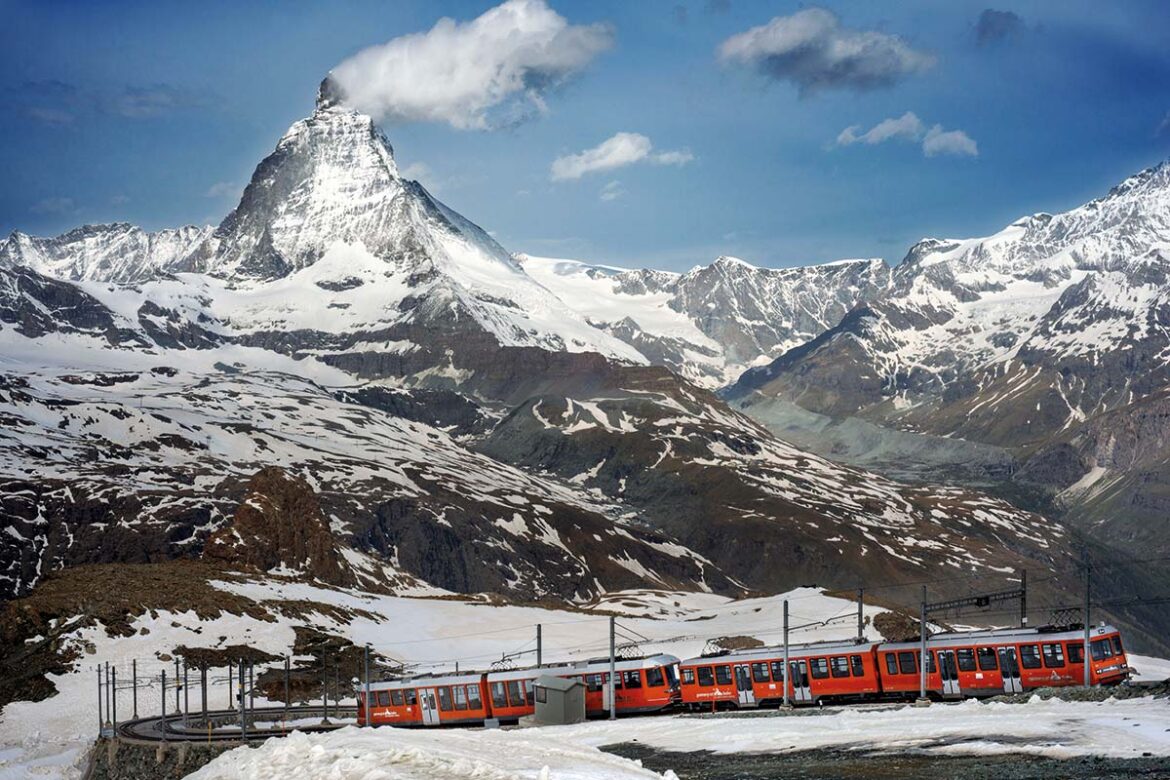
(640, 685)
(958, 665)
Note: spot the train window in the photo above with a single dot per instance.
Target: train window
(688, 676)
(929, 661)
(396, 698)
(460, 697)
(965, 657)
(632, 679)
(840, 665)
(891, 663)
(473, 701)
(411, 697)
(760, 673)
(1076, 652)
(498, 698)
(672, 676)
(987, 659)
(541, 694)
(529, 695)
(617, 680)
(1101, 649)
(514, 697)
(1116, 640)
(706, 678)
(723, 675)
(655, 678)
(445, 699)
(907, 663)
(857, 666)
(1053, 655)
(383, 698)
(778, 671)
(1030, 656)
(819, 667)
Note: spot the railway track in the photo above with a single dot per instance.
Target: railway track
(224, 725)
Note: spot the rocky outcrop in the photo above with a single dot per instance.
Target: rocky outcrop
(279, 527)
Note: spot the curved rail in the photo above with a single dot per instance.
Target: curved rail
(224, 725)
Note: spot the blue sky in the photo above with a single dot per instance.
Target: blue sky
(156, 113)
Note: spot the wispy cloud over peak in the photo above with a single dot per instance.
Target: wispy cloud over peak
(814, 51)
(472, 75)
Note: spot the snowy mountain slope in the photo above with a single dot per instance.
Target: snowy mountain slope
(131, 454)
(454, 419)
(714, 321)
(1047, 341)
(113, 253)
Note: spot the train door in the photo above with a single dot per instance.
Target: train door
(743, 686)
(1009, 669)
(798, 673)
(949, 671)
(428, 707)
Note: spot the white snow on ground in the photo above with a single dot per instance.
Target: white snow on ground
(358, 754)
(1150, 669)
(47, 739)
(1059, 729)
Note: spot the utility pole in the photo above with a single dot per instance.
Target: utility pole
(178, 709)
(162, 724)
(539, 657)
(114, 697)
(860, 615)
(134, 674)
(1023, 598)
(287, 695)
(612, 670)
(203, 690)
(186, 692)
(243, 702)
(324, 688)
(101, 723)
(922, 650)
(1088, 590)
(787, 668)
(109, 696)
(231, 684)
(366, 673)
(251, 685)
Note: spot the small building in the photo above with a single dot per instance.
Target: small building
(559, 700)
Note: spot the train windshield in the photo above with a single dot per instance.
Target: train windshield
(671, 676)
(1101, 649)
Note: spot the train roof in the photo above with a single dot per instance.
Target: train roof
(1039, 634)
(592, 666)
(772, 652)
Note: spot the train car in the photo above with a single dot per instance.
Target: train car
(987, 663)
(449, 700)
(641, 685)
(833, 671)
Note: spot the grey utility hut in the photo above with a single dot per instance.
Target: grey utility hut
(559, 700)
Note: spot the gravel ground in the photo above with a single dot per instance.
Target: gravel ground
(839, 765)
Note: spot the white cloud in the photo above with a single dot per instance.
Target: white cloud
(812, 50)
(618, 151)
(939, 141)
(471, 75)
(909, 127)
(223, 189)
(417, 170)
(612, 191)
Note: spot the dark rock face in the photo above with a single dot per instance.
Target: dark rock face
(279, 525)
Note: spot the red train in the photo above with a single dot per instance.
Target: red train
(959, 665)
(640, 685)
